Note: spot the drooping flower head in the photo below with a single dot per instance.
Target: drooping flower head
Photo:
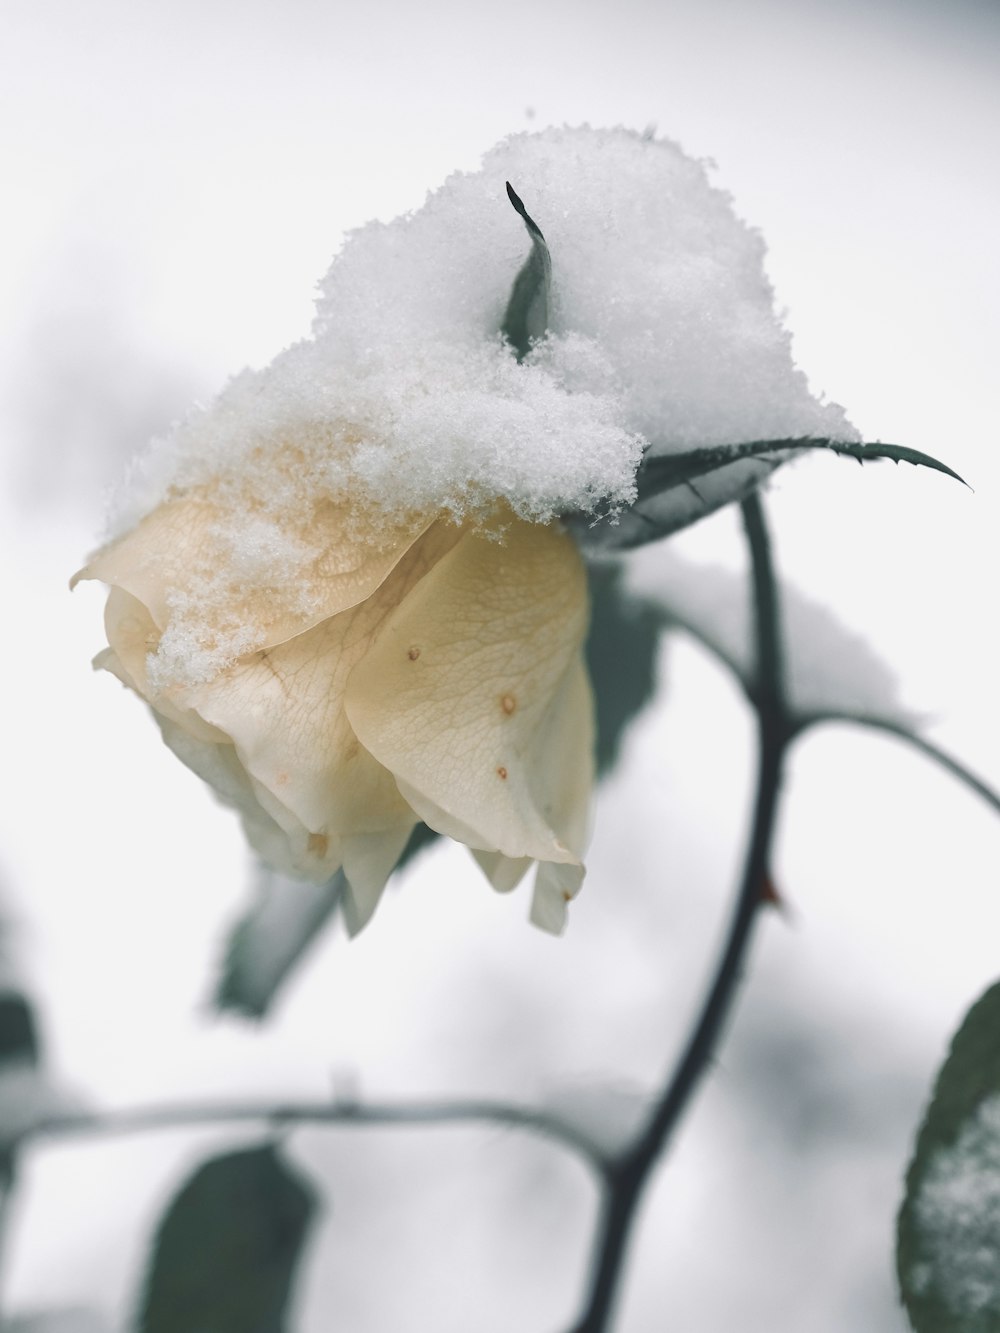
(345, 587)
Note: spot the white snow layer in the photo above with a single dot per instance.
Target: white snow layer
(662, 332)
(958, 1211)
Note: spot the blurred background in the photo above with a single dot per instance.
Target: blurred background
(176, 178)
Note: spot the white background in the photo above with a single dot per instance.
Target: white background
(175, 179)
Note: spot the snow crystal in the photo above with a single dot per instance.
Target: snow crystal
(958, 1212)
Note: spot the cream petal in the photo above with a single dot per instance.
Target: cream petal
(369, 860)
(287, 846)
(181, 546)
(440, 820)
(563, 765)
(503, 872)
(283, 710)
(132, 635)
(272, 830)
(555, 887)
(563, 781)
(453, 692)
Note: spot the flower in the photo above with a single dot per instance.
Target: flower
(430, 671)
(344, 586)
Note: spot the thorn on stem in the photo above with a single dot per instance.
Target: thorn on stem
(769, 895)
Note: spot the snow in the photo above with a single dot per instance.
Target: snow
(958, 1212)
(407, 401)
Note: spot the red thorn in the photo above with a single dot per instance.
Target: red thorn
(769, 895)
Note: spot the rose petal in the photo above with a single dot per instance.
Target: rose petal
(503, 872)
(185, 548)
(563, 770)
(287, 845)
(452, 694)
(369, 860)
(132, 636)
(283, 709)
(562, 766)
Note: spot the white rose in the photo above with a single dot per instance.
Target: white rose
(419, 671)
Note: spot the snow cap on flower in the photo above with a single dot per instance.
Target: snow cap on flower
(661, 307)
(662, 331)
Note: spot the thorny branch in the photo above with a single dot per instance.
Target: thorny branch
(626, 1176)
(334, 1112)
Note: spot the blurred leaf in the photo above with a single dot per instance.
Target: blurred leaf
(69, 1320)
(28, 1096)
(527, 316)
(829, 669)
(621, 657)
(676, 489)
(25, 1095)
(18, 1036)
(225, 1254)
(831, 673)
(948, 1250)
(271, 938)
(278, 929)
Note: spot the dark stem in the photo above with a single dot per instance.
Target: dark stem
(626, 1177)
(904, 733)
(360, 1114)
(6, 1199)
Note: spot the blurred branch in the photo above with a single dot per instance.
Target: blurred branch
(940, 756)
(6, 1193)
(626, 1176)
(362, 1114)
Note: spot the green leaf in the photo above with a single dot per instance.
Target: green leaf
(621, 656)
(676, 489)
(527, 316)
(279, 928)
(948, 1242)
(225, 1254)
(24, 1090)
(665, 471)
(657, 515)
(271, 938)
(18, 1034)
(68, 1319)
